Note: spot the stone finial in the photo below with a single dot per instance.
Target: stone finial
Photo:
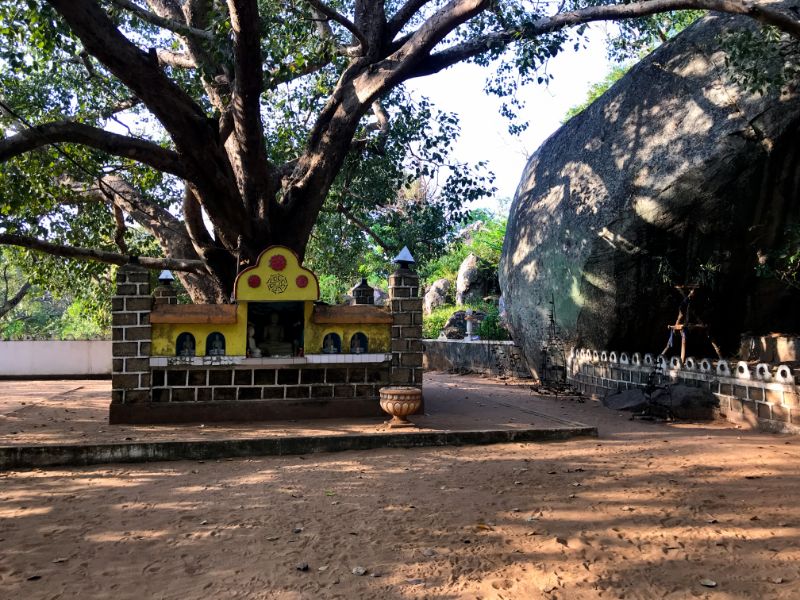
(404, 259)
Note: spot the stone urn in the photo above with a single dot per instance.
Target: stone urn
(399, 402)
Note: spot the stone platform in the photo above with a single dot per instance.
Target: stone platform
(49, 423)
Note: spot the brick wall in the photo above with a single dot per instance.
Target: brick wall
(306, 382)
(759, 395)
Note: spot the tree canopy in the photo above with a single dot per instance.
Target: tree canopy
(212, 129)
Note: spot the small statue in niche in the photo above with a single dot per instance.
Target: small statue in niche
(252, 348)
(186, 345)
(358, 344)
(216, 345)
(329, 344)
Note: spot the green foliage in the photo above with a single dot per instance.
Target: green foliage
(78, 306)
(331, 288)
(784, 263)
(433, 323)
(597, 89)
(636, 37)
(701, 271)
(483, 236)
(41, 315)
(491, 327)
(759, 59)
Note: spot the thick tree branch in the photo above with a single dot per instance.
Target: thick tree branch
(174, 237)
(179, 60)
(381, 125)
(10, 303)
(119, 107)
(366, 229)
(141, 151)
(175, 264)
(370, 19)
(139, 70)
(162, 22)
(403, 15)
(342, 20)
(246, 104)
(195, 14)
(119, 229)
(195, 227)
(455, 54)
(436, 28)
(196, 139)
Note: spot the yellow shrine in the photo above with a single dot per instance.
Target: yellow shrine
(275, 314)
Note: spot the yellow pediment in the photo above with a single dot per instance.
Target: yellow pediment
(277, 276)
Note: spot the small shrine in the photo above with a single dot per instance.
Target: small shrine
(274, 352)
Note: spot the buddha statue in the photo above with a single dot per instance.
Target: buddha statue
(329, 344)
(252, 349)
(186, 347)
(217, 346)
(274, 342)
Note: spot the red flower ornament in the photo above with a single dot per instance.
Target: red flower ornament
(254, 281)
(301, 281)
(278, 262)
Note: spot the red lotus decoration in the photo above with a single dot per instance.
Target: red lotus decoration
(301, 281)
(254, 281)
(278, 262)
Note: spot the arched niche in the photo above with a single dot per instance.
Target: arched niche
(359, 343)
(215, 344)
(185, 345)
(332, 343)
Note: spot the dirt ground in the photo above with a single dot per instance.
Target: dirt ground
(645, 511)
(76, 412)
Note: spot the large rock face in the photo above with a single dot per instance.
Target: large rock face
(673, 168)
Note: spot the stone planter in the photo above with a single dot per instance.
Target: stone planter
(399, 402)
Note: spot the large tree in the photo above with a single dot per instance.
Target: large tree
(248, 110)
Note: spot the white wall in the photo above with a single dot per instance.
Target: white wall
(34, 358)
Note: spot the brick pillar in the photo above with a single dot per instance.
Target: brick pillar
(406, 308)
(165, 294)
(130, 334)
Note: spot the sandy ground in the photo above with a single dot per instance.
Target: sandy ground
(645, 511)
(76, 412)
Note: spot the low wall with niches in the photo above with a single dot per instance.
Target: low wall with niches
(756, 394)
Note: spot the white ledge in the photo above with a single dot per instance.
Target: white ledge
(243, 361)
(347, 358)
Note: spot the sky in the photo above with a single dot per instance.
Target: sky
(485, 134)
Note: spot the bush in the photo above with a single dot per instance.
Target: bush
(491, 328)
(433, 323)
